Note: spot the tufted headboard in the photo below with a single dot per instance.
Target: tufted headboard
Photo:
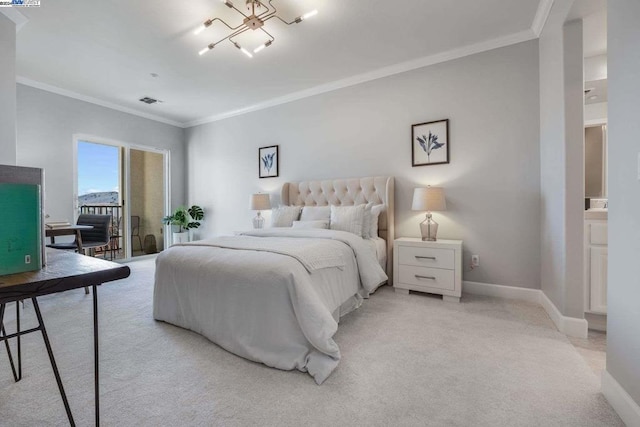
(345, 192)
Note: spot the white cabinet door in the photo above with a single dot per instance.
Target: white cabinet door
(598, 277)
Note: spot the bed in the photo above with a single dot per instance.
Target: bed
(276, 295)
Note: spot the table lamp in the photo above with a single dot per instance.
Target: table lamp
(260, 202)
(429, 199)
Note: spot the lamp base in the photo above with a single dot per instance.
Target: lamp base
(258, 221)
(429, 229)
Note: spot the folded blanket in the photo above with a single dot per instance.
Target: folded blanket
(371, 274)
(306, 251)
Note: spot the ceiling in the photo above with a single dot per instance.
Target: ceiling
(106, 50)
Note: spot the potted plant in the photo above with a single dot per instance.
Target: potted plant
(185, 219)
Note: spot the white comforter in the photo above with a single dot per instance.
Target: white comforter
(270, 295)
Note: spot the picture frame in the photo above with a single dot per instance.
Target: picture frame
(430, 143)
(269, 161)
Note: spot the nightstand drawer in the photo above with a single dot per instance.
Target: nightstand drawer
(427, 257)
(427, 277)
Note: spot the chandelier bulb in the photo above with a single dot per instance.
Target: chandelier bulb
(243, 50)
(262, 46)
(309, 14)
(206, 49)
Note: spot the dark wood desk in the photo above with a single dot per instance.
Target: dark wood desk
(64, 271)
(71, 230)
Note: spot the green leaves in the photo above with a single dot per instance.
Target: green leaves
(185, 218)
(196, 213)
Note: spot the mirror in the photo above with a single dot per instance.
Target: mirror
(595, 161)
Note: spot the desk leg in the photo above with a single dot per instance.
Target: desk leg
(81, 252)
(95, 352)
(53, 361)
(17, 376)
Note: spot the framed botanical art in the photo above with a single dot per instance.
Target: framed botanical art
(268, 162)
(430, 143)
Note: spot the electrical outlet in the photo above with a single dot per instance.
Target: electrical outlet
(475, 260)
(27, 259)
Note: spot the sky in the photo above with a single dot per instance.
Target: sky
(97, 168)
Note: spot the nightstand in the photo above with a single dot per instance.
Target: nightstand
(433, 267)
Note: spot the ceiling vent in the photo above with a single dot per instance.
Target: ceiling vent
(148, 100)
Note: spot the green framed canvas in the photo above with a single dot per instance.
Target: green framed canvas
(20, 230)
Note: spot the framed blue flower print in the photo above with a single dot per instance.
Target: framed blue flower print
(268, 162)
(430, 143)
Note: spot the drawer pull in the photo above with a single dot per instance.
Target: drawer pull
(426, 257)
(425, 277)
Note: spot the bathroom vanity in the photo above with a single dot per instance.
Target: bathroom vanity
(595, 257)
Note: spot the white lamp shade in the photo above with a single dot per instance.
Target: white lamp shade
(429, 199)
(260, 202)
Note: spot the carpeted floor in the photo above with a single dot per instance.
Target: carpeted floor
(406, 360)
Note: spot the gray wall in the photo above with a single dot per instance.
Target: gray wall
(623, 328)
(561, 161)
(7, 91)
(47, 123)
(492, 184)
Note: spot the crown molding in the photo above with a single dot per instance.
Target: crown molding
(544, 9)
(69, 94)
(14, 15)
(374, 75)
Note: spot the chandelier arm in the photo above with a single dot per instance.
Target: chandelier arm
(267, 33)
(267, 12)
(235, 33)
(238, 10)
(228, 26)
(276, 16)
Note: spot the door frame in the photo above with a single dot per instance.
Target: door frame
(126, 178)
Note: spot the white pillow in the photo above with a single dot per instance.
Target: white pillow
(284, 216)
(314, 213)
(376, 210)
(348, 218)
(311, 224)
(366, 225)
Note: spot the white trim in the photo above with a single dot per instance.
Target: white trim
(508, 40)
(391, 70)
(595, 122)
(571, 326)
(14, 15)
(70, 94)
(618, 397)
(500, 291)
(544, 9)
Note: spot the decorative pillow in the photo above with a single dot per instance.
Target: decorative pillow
(376, 210)
(284, 216)
(311, 224)
(366, 223)
(348, 218)
(314, 213)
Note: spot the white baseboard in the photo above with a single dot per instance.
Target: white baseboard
(501, 291)
(571, 326)
(620, 400)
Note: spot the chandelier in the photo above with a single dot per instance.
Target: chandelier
(254, 20)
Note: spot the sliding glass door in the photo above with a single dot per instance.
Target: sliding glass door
(129, 183)
(148, 201)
